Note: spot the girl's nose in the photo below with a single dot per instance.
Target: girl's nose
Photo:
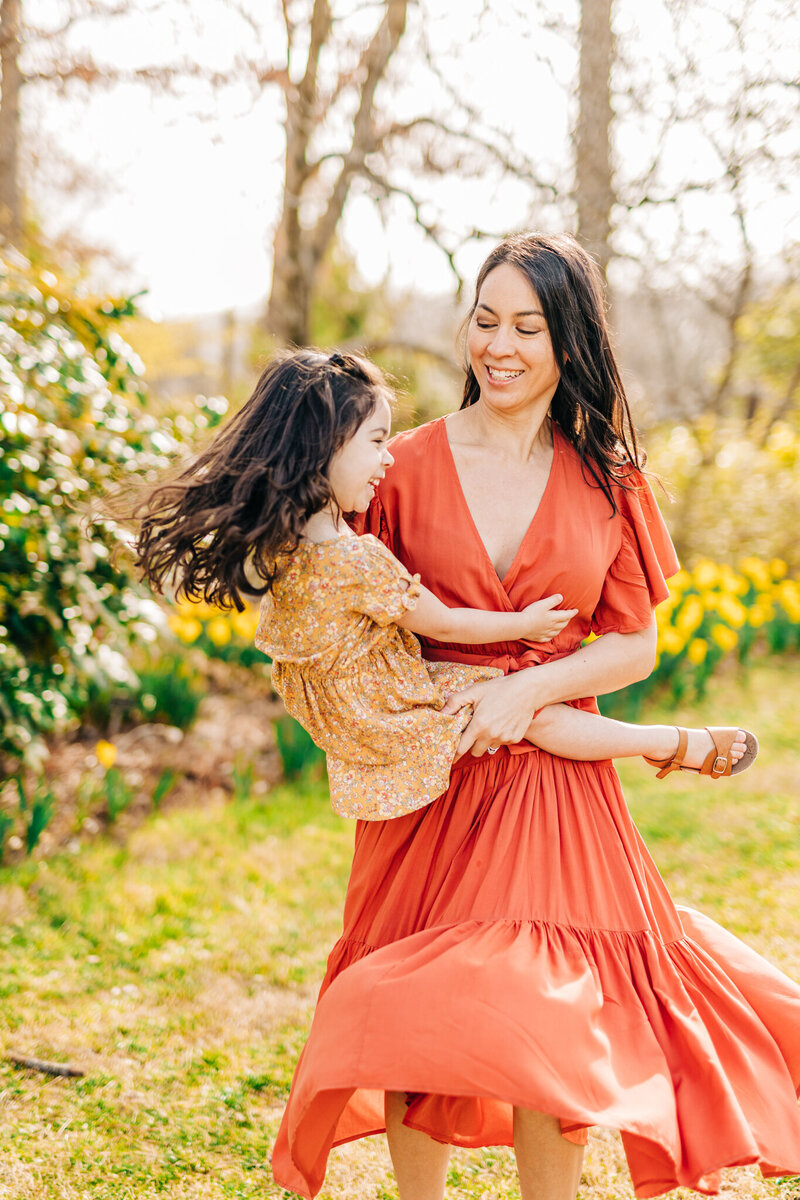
(387, 458)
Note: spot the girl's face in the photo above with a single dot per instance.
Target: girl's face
(357, 468)
(509, 344)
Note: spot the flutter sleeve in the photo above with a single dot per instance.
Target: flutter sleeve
(382, 588)
(637, 578)
(375, 521)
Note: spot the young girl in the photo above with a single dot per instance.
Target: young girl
(262, 511)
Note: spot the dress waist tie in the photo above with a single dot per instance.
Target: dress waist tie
(509, 664)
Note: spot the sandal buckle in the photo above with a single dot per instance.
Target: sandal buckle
(719, 765)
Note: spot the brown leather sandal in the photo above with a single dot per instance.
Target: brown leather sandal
(718, 762)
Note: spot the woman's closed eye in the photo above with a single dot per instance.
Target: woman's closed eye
(528, 332)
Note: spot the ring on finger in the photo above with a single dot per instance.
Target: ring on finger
(492, 749)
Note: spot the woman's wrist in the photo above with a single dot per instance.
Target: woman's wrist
(533, 681)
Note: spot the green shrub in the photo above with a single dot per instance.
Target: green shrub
(72, 422)
(298, 753)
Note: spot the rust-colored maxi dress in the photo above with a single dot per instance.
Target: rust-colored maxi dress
(512, 943)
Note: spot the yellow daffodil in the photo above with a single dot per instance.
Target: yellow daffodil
(725, 637)
(219, 631)
(706, 574)
(756, 570)
(671, 641)
(732, 610)
(760, 613)
(697, 650)
(680, 581)
(106, 754)
(188, 629)
(244, 623)
(690, 615)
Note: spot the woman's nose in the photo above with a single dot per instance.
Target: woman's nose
(387, 458)
(500, 343)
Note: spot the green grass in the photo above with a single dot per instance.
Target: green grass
(179, 971)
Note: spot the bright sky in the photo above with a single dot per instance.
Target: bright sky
(190, 204)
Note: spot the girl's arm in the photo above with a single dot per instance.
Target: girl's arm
(472, 626)
(503, 707)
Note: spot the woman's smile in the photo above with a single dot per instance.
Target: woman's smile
(502, 374)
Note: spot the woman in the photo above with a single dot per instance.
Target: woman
(515, 969)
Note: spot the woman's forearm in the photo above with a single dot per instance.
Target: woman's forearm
(502, 708)
(611, 662)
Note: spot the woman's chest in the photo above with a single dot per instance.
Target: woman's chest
(562, 539)
(501, 499)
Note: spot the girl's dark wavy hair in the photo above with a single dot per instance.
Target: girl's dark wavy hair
(589, 405)
(216, 529)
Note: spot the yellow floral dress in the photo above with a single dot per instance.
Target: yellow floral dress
(357, 681)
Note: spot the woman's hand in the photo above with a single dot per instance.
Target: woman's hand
(502, 711)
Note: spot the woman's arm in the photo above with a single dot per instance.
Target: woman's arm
(474, 627)
(503, 707)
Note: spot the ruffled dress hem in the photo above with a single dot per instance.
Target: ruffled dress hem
(623, 1030)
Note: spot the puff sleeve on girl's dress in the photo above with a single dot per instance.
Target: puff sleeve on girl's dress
(382, 588)
(637, 578)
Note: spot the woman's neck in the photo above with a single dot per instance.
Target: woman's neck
(520, 435)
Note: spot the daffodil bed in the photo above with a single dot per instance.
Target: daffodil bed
(716, 614)
(218, 633)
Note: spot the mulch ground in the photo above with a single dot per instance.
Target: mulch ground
(233, 730)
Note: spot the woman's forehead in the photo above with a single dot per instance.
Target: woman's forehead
(508, 286)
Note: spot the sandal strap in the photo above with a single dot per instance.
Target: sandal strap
(718, 761)
(675, 763)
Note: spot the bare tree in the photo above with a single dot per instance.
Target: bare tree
(332, 68)
(11, 84)
(594, 191)
(300, 247)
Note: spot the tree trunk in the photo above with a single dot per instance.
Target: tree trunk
(299, 249)
(289, 307)
(595, 193)
(10, 198)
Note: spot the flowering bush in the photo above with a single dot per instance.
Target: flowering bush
(72, 422)
(716, 612)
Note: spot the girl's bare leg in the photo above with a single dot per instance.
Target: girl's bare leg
(572, 733)
(420, 1163)
(549, 1167)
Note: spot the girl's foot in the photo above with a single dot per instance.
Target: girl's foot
(714, 751)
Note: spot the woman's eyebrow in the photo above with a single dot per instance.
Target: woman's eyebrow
(526, 312)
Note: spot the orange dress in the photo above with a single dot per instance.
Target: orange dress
(512, 943)
(357, 682)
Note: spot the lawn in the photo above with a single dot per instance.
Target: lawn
(178, 968)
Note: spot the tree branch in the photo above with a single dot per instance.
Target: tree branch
(374, 62)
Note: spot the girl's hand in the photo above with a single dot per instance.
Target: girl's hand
(502, 710)
(544, 620)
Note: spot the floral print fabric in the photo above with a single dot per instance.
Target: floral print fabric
(357, 681)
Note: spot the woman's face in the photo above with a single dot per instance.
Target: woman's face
(509, 344)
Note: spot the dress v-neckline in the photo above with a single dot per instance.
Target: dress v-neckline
(457, 479)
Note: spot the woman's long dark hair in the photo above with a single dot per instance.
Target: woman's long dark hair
(589, 405)
(216, 529)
